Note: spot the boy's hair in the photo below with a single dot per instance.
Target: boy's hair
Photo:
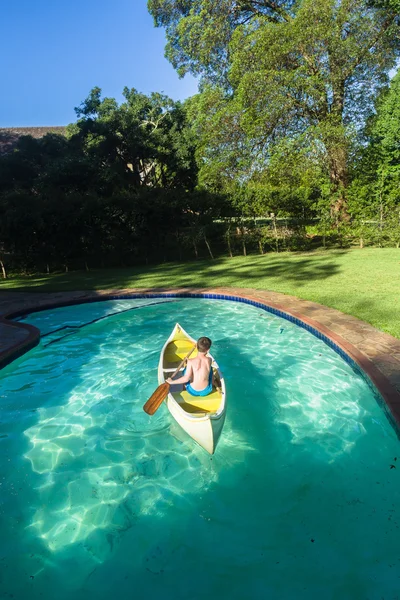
(203, 344)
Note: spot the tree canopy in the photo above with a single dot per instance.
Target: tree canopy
(376, 182)
(307, 71)
(97, 194)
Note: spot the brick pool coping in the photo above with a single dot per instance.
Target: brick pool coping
(376, 353)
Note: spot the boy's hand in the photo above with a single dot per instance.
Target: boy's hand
(169, 380)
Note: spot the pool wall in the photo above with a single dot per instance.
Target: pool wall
(16, 339)
(24, 337)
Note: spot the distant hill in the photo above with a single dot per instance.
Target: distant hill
(9, 136)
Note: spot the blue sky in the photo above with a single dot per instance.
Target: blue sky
(54, 51)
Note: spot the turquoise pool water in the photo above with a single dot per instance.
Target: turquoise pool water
(99, 500)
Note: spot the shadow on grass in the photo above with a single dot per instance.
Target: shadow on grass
(250, 271)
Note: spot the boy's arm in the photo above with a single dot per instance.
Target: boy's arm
(185, 378)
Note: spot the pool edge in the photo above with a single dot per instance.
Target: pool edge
(19, 347)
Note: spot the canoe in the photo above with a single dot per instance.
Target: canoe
(202, 417)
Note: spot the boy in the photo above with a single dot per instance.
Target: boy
(198, 374)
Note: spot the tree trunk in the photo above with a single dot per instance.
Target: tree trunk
(260, 246)
(339, 180)
(228, 239)
(242, 231)
(195, 249)
(337, 149)
(208, 246)
(3, 269)
(338, 171)
(276, 233)
(47, 269)
(86, 266)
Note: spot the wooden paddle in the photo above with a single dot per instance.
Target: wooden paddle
(159, 395)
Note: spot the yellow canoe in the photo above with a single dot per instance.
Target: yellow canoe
(202, 417)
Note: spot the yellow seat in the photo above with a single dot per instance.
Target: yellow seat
(192, 404)
(177, 350)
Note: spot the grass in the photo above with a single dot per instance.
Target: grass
(364, 283)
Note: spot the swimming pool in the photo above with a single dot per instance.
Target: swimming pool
(97, 498)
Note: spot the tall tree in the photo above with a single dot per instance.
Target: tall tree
(376, 185)
(385, 132)
(306, 70)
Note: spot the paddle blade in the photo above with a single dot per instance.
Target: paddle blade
(156, 399)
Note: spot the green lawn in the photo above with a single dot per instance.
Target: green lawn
(364, 283)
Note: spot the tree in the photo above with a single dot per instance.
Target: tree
(385, 133)
(389, 4)
(110, 192)
(144, 141)
(375, 190)
(306, 70)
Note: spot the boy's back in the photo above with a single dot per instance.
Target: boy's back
(199, 367)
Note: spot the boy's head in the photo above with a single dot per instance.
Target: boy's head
(203, 344)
